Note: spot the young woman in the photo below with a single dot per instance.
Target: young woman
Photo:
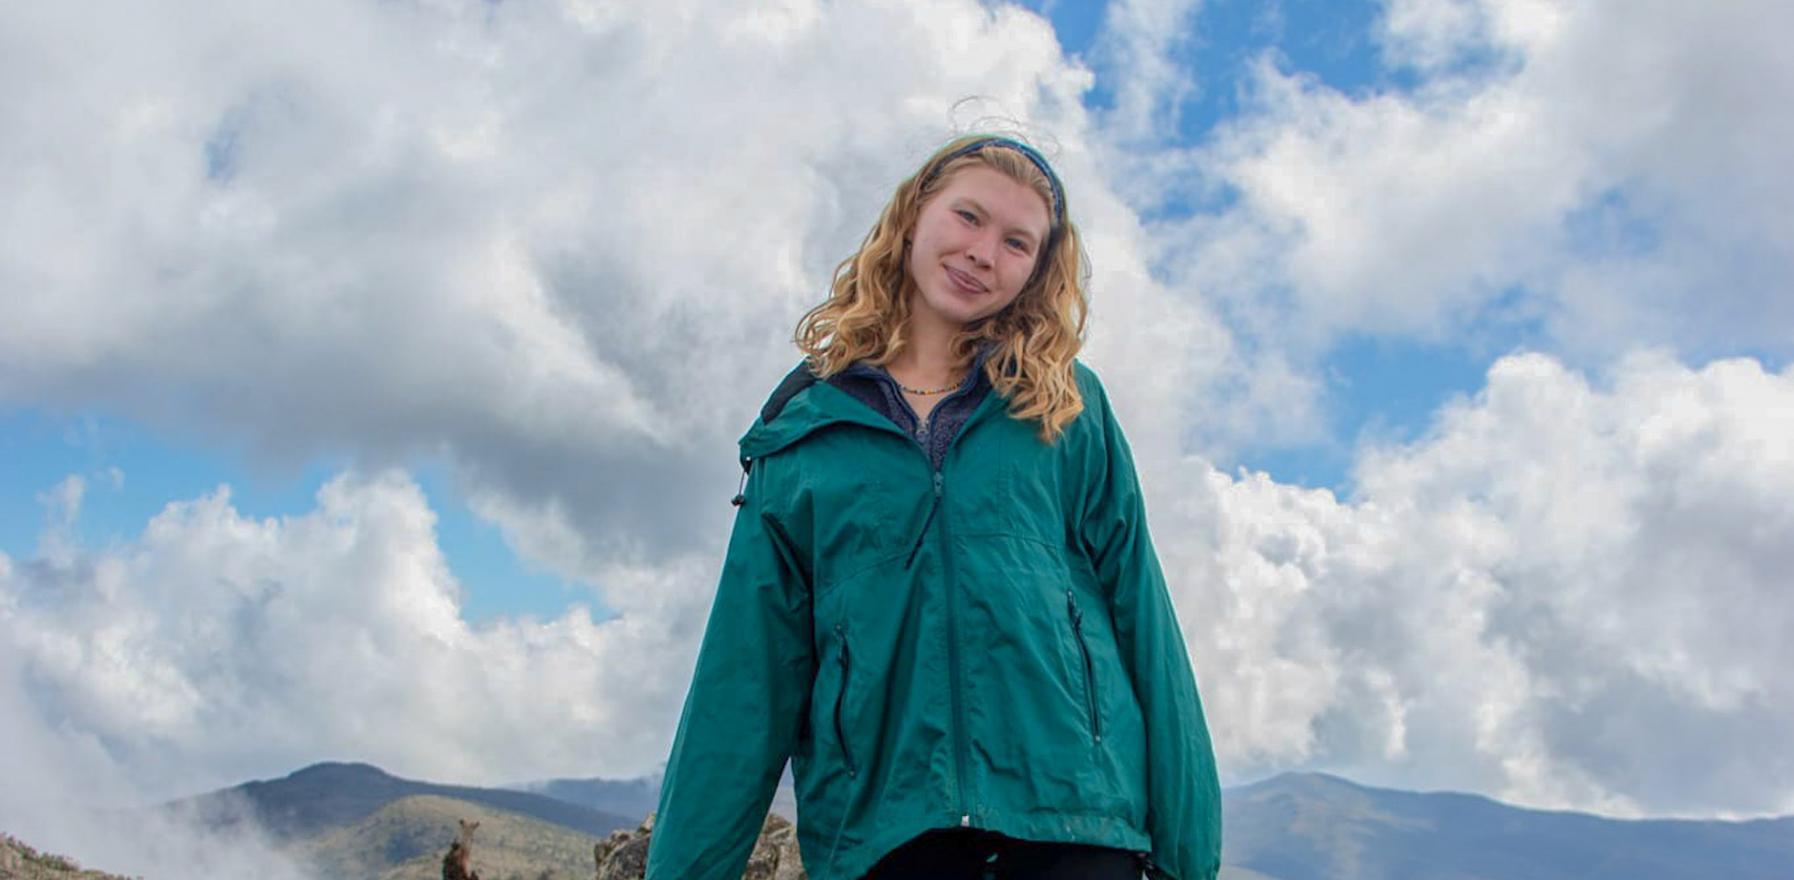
(940, 599)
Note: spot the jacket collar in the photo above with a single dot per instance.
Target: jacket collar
(804, 405)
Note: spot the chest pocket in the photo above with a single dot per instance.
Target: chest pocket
(850, 500)
(1008, 483)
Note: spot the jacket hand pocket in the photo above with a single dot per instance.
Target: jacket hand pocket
(840, 699)
(1090, 699)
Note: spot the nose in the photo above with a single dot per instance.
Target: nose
(980, 250)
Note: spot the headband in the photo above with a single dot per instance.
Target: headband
(1033, 155)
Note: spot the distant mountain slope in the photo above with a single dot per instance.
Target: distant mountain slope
(624, 797)
(406, 840)
(357, 821)
(332, 795)
(20, 860)
(1310, 826)
(641, 795)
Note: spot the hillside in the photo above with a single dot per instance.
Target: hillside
(364, 823)
(322, 797)
(639, 796)
(19, 860)
(406, 839)
(1310, 826)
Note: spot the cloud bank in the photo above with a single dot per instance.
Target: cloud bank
(1463, 621)
(561, 247)
(1590, 176)
(1568, 594)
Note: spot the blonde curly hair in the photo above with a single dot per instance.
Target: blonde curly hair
(1035, 338)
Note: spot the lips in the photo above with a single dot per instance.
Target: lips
(966, 283)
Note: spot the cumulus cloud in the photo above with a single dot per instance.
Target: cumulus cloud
(216, 648)
(550, 243)
(63, 502)
(1138, 49)
(553, 244)
(1592, 176)
(66, 794)
(561, 248)
(1570, 593)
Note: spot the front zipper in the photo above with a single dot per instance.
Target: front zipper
(960, 746)
(1077, 629)
(841, 697)
(926, 522)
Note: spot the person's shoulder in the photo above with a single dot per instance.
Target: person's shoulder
(795, 382)
(1090, 385)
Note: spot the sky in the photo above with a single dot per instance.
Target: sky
(370, 373)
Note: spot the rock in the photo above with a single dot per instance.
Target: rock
(624, 854)
(455, 862)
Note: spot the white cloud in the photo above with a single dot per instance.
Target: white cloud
(1138, 52)
(554, 244)
(1568, 594)
(562, 247)
(216, 648)
(1592, 175)
(65, 791)
(63, 502)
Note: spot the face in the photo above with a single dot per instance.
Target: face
(974, 245)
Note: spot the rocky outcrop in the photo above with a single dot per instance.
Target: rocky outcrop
(624, 854)
(18, 860)
(455, 865)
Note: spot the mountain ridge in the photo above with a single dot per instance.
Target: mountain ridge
(1309, 826)
(1299, 825)
(333, 794)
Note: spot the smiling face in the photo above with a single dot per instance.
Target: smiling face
(974, 246)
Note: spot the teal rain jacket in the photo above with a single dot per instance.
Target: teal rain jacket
(990, 645)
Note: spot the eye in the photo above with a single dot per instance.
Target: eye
(967, 216)
(1017, 245)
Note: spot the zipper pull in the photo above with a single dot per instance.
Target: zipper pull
(1077, 614)
(937, 484)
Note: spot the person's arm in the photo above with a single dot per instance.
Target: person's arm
(742, 715)
(1183, 791)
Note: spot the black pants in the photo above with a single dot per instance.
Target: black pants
(973, 854)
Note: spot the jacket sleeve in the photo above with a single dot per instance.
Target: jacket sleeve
(1184, 793)
(748, 695)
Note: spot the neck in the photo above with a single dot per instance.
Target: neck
(926, 360)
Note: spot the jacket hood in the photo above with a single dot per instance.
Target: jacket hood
(803, 404)
(800, 406)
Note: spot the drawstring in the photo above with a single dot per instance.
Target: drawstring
(741, 498)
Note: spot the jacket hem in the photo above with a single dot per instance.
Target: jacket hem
(1089, 829)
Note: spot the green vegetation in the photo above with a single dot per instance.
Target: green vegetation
(406, 840)
(21, 861)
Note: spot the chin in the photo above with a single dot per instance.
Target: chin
(951, 307)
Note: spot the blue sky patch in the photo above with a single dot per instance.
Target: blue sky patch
(132, 474)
